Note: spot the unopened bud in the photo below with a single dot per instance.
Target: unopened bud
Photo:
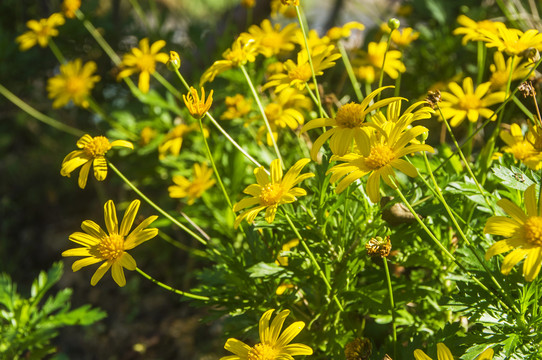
(394, 23)
(174, 62)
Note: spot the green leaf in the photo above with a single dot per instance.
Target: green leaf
(262, 269)
(512, 178)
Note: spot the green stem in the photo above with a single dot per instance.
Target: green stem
(166, 84)
(381, 78)
(178, 244)
(398, 84)
(156, 207)
(392, 306)
(262, 111)
(39, 116)
(140, 14)
(315, 99)
(313, 259)
(56, 51)
(350, 71)
(169, 288)
(481, 59)
(99, 38)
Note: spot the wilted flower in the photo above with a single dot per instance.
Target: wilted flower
(198, 107)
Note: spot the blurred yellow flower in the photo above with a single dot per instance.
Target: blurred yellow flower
(248, 4)
(283, 260)
(500, 70)
(443, 353)
(69, 7)
(111, 246)
(173, 141)
(270, 39)
(278, 8)
(198, 107)
(201, 181)
(143, 60)
(404, 37)
(374, 57)
(512, 41)
(273, 344)
(40, 31)
(237, 107)
(92, 153)
(519, 146)
(147, 135)
(467, 102)
(74, 83)
(339, 32)
(270, 192)
(290, 2)
(471, 30)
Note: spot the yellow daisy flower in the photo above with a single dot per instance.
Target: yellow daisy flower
(111, 246)
(92, 153)
(198, 107)
(270, 39)
(40, 31)
(512, 41)
(316, 43)
(290, 2)
(471, 30)
(201, 181)
(374, 57)
(523, 233)
(74, 83)
(336, 33)
(173, 141)
(347, 125)
(143, 60)
(521, 147)
(273, 344)
(237, 107)
(278, 8)
(443, 353)
(401, 38)
(69, 7)
(467, 102)
(417, 111)
(270, 192)
(381, 157)
(500, 70)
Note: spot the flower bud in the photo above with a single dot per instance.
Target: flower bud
(394, 23)
(174, 62)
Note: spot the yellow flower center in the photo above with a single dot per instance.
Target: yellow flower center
(75, 85)
(381, 155)
(272, 41)
(111, 247)
(237, 56)
(270, 194)
(302, 72)
(350, 116)
(146, 63)
(470, 101)
(262, 352)
(97, 147)
(533, 230)
(499, 78)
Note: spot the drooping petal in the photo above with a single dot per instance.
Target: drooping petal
(100, 168)
(110, 215)
(531, 266)
(513, 210)
(443, 353)
(83, 175)
(501, 225)
(237, 347)
(405, 167)
(128, 261)
(373, 187)
(503, 246)
(512, 259)
(118, 274)
(270, 213)
(420, 355)
(530, 201)
(77, 265)
(129, 217)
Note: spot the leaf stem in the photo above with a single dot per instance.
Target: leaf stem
(169, 288)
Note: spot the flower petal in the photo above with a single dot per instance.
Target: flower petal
(110, 215)
(237, 347)
(118, 274)
(512, 259)
(129, 216)
(531, 266)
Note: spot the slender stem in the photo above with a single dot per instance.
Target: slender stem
(481, 59)
(178, 244)
(350, 70)
(398, 84)
(262, 111)
(56, 51)
(315, 100)
(304, 32)
(156, 207)
(381, 78)
(392, 306)
(141, 14)
(166, 84)
(39, 116)
(313, 259)
(169, 288)
(99, 38)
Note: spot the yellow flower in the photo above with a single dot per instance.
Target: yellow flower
(69, 7)
(466, 102)
(522, 148)
(241, 52)
(417, 111)
(347, 125)
(500, 70)
(337, 33)
(523, 233)
(74, 82)
(248, 4)
(270, 192)
(380, 158)
(92, 153)
(201, 181)
(270, 39)
(283, 260)
(237, 107)
(316, 43)
(271, 346)
(374, 57)
(512, 41)
(290, 2)
(198, 107)
(40, 31)
(471, 30)
(143, 60)
(277, 7)
(174, 62)
(111, 246)
(404, 37)
(443, 353)
(147, 135)
(173, 141)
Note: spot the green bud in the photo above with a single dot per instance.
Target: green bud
(394, 23)
(174, 62)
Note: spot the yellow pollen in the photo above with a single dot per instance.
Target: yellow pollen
(270, 194)
(302, 73)
(97, 147)
(470, 101)
(381, 155)
(262, 352)
(111, 247)
(533, 230)
(146, 63)
(74, 85)
(350, 116)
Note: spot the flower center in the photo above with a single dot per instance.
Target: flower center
(97, 147)
(533, 230)
(350, 115)
(111, 247)
(470, 101)
(499, 79)
(273, 112)
(146, 63)
(270, 194)
(302, 72)
(75, 85)
(262, 352)
(381, 155)
(272, 41)
(522, 150)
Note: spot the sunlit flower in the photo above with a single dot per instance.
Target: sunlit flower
(143, 60)
(270, 39)
(40, 31)
(69, 7)
(500, 70)
(443, 353)
(198, 107)
(278, 8)
(339, 32)
(467, 102)
(172, 142)
(417, 111)
(241, 52)
(316, 43)
(522, 147)
(379, 159)
(512, 41)
(374, 57)
(290, 2)
(273, 345)
(237, 107)
(523, 233)
(92, 153)
(271, 191)
(74, 83)
(471, 30)
(347, 125)
(111, 246)
(201, 181)
(147, 135)
(404, 37)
